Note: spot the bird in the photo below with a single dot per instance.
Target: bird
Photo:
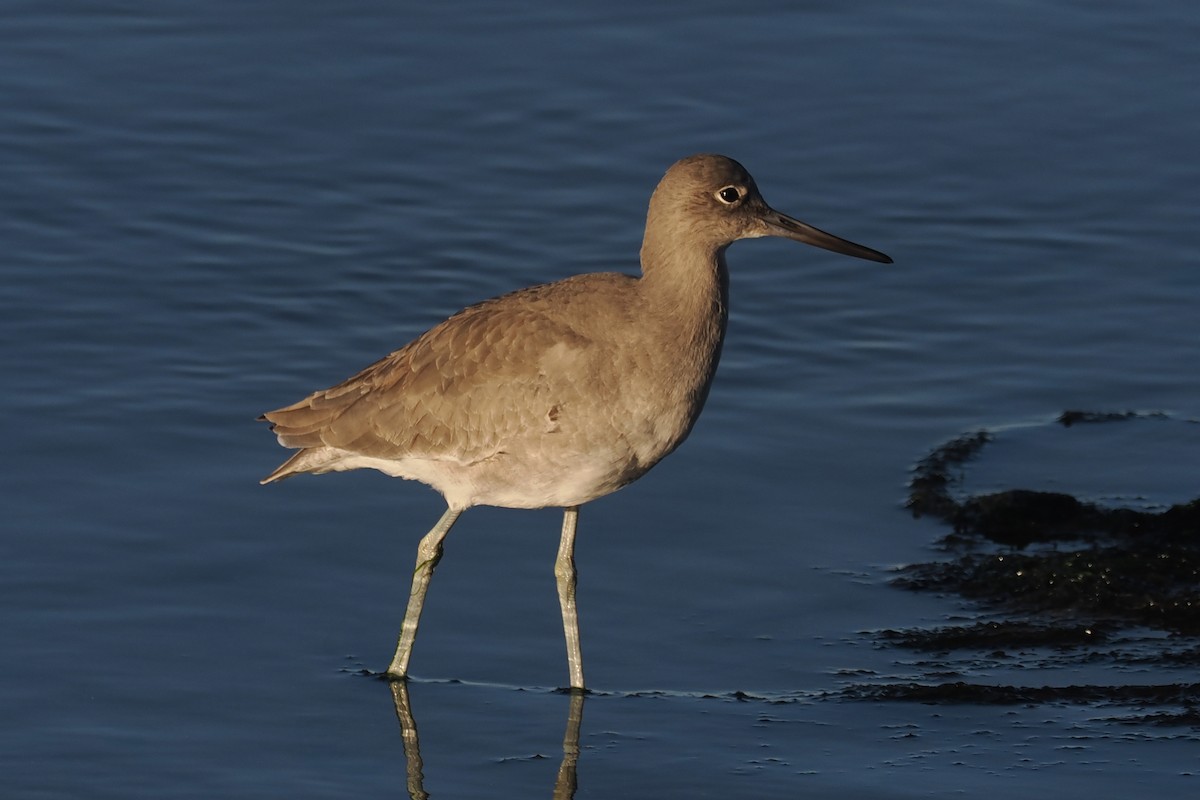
(555, 394)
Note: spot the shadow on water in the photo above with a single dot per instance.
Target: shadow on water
(564, 785)
(1074, 583)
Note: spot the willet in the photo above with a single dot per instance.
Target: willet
(557, 394)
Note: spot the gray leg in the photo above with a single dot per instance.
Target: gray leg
(429, 553)
(564, 573)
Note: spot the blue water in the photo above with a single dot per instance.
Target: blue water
(210, 209)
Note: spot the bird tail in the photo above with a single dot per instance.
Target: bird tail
(300, 426)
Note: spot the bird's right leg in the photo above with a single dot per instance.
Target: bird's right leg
(429, 553)
(565, 576)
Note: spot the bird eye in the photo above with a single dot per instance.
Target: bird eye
(729, 195)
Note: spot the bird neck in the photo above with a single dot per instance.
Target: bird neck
(685, 286)
(684, 273)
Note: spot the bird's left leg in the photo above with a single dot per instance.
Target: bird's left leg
(429, 553)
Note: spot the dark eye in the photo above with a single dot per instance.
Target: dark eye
(730, 195)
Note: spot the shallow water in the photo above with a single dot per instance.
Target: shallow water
(212, 209)
(1145, 463)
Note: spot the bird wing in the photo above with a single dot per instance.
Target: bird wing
(458, 391)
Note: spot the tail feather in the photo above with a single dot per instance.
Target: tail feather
(286, 470)
(304, 424)
(311, 459)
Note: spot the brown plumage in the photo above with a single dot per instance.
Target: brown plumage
(556, 394)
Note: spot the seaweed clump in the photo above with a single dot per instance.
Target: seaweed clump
(1067, 574)
(1136, 567)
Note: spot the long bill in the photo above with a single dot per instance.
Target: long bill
(777, 224)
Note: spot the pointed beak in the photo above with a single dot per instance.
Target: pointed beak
(776, 224)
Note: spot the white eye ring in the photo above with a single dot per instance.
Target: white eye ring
(729, 195)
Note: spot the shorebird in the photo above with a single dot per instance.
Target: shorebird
(556, 394)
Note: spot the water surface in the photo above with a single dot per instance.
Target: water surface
(211, 209)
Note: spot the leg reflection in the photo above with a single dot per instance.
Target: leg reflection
(564, 785)
(412, 742)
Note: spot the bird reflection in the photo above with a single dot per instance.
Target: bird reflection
(564, 785)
